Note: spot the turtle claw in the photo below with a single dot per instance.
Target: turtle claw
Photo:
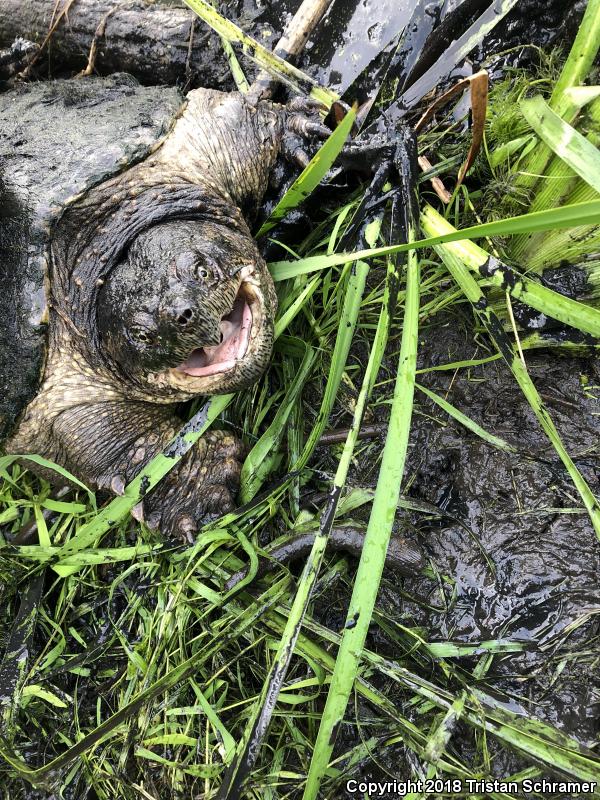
(307, 128)
(185, 528)
(302, 124)
(113, 482)
(293, 152)
(306, 105)
(17, 58)
(117, 485)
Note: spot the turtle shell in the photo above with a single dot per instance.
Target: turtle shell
(57, 140)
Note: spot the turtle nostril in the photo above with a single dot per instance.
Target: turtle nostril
(185, 316)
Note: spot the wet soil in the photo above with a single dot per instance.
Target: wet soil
(544, 564)
(524, 564)
(163, 43)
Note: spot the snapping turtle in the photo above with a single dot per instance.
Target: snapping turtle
(130, 279)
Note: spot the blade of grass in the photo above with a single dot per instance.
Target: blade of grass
(234, 65)
(573, 215)
(259, 462)
(372, 560)
(573, 74)
(495, 441)
(560, 182)
(582, 54)
(264, 706)
(573, 148)
(578, 315)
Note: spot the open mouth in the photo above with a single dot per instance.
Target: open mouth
(235, 335)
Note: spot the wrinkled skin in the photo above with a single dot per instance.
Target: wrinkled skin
(159, 294)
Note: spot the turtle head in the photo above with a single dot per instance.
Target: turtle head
(188, 310)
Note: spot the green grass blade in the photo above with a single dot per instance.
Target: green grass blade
(313, 174)
(573, 148)
(339, 358)
(460, 272)
(578, 315)
(234, 65)
(259, 462)
(582, 55)
(377, 536)
(264, 706)
(573, 215)
(470, 424)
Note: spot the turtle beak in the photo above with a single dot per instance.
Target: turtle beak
(235, 327)
(235, 330)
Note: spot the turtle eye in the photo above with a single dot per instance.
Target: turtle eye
(206, 268)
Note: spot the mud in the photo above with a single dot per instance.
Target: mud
(163, 43)
(545, 563)
(528, 570)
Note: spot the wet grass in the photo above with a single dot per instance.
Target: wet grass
(132, 671)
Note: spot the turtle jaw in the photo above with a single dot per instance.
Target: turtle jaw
(241, 356)
(236, 327)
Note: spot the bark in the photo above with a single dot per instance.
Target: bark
(159, 43)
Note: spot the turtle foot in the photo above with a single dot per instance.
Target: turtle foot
(199, 489)
(16, 58)
(303, 126)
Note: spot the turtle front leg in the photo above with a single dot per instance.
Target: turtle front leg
(229, 145)
(200, 488)
(107, 444)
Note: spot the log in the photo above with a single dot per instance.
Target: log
(157, 42)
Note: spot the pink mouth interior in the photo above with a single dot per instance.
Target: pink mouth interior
(235, 334)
